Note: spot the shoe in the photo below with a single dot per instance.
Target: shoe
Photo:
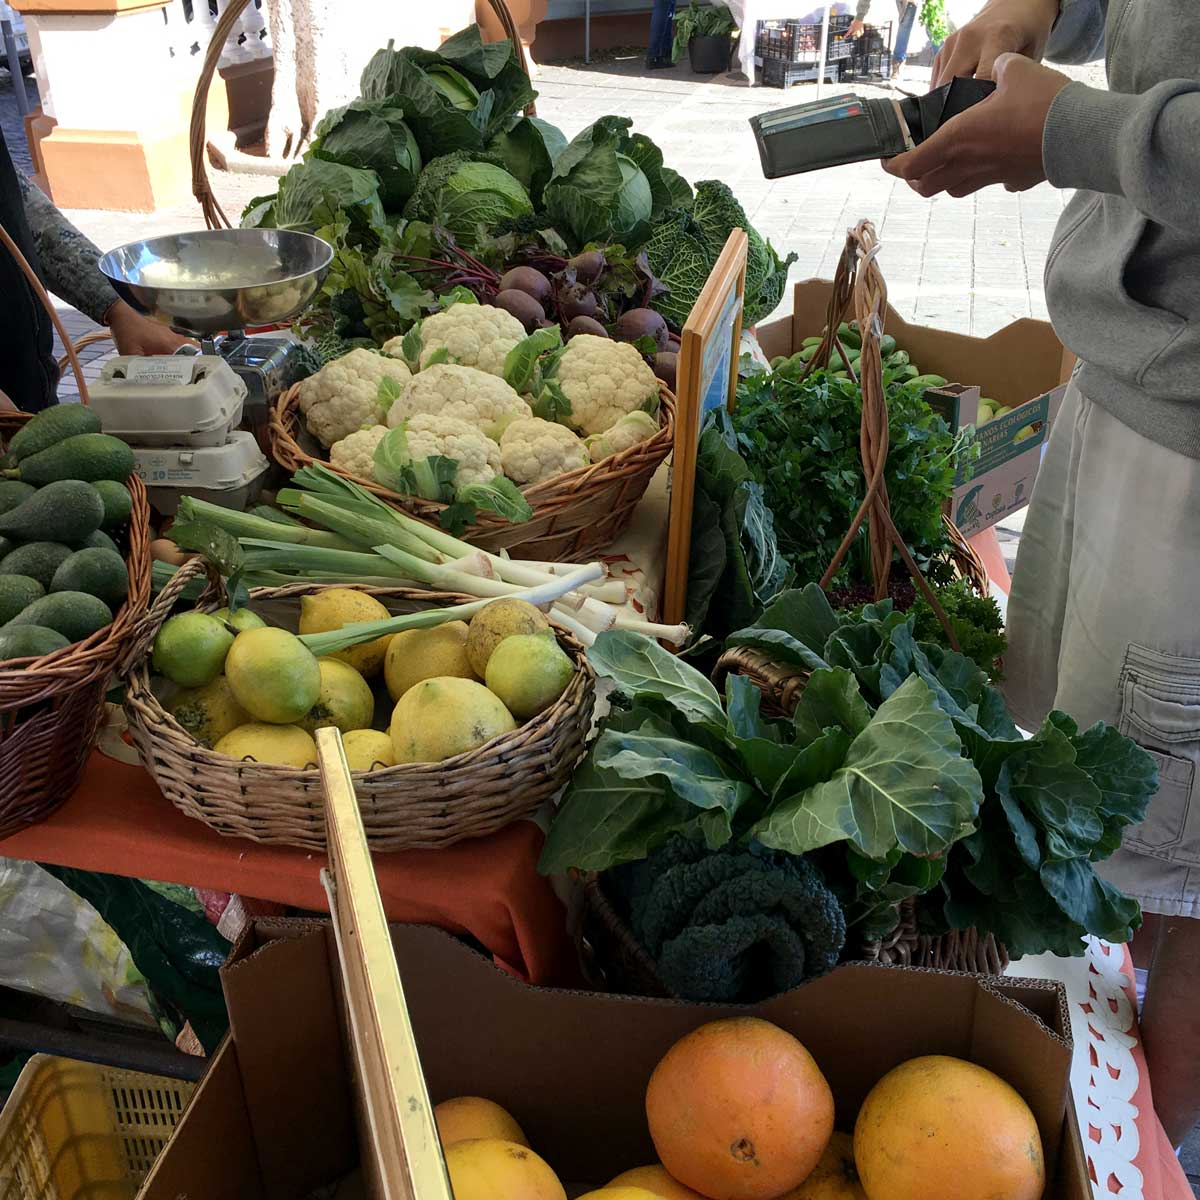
(658, 64)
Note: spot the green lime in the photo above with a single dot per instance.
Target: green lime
(242, 619)
(528, 671)
(190, 649)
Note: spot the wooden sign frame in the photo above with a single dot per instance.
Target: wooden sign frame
(712, 335)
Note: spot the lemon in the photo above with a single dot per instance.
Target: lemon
(284, 745)
(496, 621)
(438, 718)
(345, 699)
(208, 713)
(190, 649)
(529, 671)
(417, 654)
(242, 619)
(273, 674)
(331, 608)
(367, 749)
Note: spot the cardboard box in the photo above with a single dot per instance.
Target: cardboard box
(320, 1070)
(1023, 366)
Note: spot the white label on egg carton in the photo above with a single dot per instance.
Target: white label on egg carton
(161, 369)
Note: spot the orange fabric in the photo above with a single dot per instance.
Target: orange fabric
(119, 823)
(987, 546)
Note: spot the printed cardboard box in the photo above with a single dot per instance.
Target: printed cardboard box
(1022, 366)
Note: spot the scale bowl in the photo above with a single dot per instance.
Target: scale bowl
(215, 280)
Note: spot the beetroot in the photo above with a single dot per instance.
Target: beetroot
(528, 280)
(665, 365)
(588, 265)
(585, 325)
(522, 306)
(639, 323)
(576, 300)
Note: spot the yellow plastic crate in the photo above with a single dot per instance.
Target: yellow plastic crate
(77, 1131)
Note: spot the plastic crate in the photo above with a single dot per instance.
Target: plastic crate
(784, 75)
(871, 57)
(77, 1131)
(798, 42)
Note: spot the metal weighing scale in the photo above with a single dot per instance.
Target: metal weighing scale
(214, 284)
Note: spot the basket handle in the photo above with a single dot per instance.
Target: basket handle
(162, 606)
(40, 292)
(859, 287)
(214, 214)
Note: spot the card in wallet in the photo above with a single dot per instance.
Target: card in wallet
(847, 128)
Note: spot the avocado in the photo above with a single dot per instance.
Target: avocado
(101, 541)
(7, 545)
(29, 641)
(13, 493)
(51, 426)
(38, 560)
(100, 573)
(67, 510)
(87, 456)
(118, 503)
(17, 592)
(75, 615)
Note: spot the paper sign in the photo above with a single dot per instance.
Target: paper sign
(706, 379)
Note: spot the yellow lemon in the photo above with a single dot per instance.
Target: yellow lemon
(273, 674)
(331, 608)
(367, 749)
(285, 745)
(344, 701)
(468, 1117)
(438, 718)
(417, 654)
(208, 713)
(496, 621)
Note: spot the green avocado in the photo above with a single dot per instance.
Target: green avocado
(99, 573)
(29, 641)
(101, 541)
(118, 503)
(67, 510)
(89, 456)
(38, 560)
(75, 615)
(14, 493)
(17, 592)
(51, 426)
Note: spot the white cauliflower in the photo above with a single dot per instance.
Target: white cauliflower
(473, 335)
(603, 380)
(434, 434)
(631, 430)
(465, 393)
(533, 450)
(355, 453)
(344, 395)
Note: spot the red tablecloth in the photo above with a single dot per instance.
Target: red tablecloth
(119, 823)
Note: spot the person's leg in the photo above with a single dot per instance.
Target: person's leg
(1171, 1027)
(903, 32)
(661, 31)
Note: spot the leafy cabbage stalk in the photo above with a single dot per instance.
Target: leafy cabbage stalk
(372, 134)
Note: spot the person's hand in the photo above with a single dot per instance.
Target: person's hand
(856, 29)
(998, 140)
(135, 334)
(1002, 27)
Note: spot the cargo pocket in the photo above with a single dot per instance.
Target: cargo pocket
(1162, 714)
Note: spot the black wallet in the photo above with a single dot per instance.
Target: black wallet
(847, 128)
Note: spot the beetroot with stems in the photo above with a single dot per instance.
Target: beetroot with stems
(639, 323)
(585, 325)
(577, 300)
(522, 306)
(528, 280)
(665, 367)
(588, 266)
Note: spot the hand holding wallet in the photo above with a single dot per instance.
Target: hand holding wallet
(846, 128)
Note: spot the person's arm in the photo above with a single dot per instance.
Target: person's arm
(68, 258)
(1078, 34)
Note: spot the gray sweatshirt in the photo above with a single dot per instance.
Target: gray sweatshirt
(1123, 275)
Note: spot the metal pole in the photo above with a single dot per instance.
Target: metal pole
(14, 66)
(587, 31)
(824, 51)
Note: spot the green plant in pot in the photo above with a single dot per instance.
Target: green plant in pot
(706, 30)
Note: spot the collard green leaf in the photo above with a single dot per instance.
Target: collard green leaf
(1091, 901)
(639, 666)
(742, 703)
(764, 761)
(1125, 774)
(830, 698)
(904, 783)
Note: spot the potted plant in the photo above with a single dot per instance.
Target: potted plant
(707, 32)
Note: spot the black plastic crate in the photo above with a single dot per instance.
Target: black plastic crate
(784, 74)
(800, 42)
(872, 54)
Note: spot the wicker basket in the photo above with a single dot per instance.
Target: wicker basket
(415, 806)
(51, 708)
(75, 1129)
(575, 516)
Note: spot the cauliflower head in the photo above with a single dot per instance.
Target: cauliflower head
(473, 335)
(432, 434)
(355, 453)
(532, 450)
(464, 393)
(631, 430)
(603, 380)
(344, 394)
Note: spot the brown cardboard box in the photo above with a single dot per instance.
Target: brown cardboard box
(1022, 365)
(273, 1118)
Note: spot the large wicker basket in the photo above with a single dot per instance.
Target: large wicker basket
(51, 707)
(575, 516)
(416, 806)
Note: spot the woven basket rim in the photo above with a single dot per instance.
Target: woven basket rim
(569, 490)
(140, 694)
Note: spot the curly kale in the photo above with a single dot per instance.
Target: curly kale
(976, 620)
(733, 924)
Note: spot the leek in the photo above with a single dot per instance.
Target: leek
(247, 525)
